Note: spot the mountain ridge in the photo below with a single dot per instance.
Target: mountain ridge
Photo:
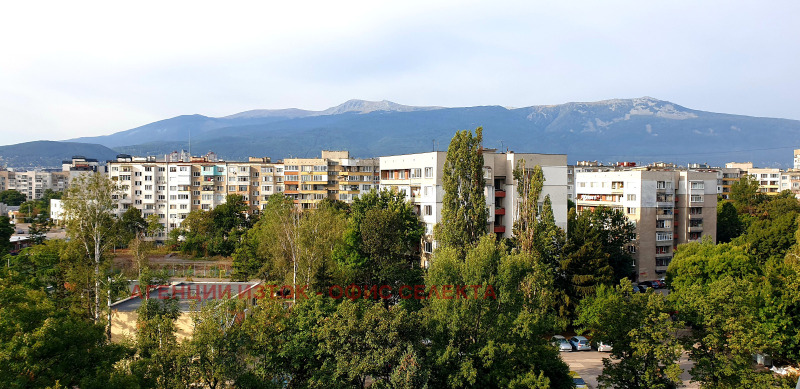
(642, 129)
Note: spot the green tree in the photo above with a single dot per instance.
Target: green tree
(464, 213)
(12, 197)
(728, 224)
(215, 353)
(132, 225)
(380, 245)
(529, 187)
(291, 246)
(88, 207)
(485, 341)
(42, 346)
(745, 194)
(38, 229)
(6, 230)
(645, 339)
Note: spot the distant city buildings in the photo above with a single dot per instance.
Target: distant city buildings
(668, 204)
(171, 189)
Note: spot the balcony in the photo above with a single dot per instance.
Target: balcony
(695, 216)
(499, 211)
(499, 229)
(499, 193)
(696, 228)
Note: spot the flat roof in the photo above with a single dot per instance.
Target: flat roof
(190, 295)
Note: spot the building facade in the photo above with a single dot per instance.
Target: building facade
(668, 207)
(419, 177)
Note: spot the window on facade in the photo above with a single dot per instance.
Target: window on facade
(698, 185)
(631, 197)
(428, 172)
(428, 210)
(428, 247)
(632, 249)
(631, 210)
(416, 173)
(663, 261)
(696, 198)
(662, 236)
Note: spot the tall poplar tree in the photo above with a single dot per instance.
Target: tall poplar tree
(464, 213)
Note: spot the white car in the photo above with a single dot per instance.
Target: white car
(580, 343)
(561, 343)
(604, 347)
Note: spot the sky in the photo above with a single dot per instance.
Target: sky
(82, 68)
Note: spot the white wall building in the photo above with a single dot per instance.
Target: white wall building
(419, 176)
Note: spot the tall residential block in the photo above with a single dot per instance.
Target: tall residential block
(668, 207)
(419, 177)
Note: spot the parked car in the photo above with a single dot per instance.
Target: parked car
(660, 284)
(648, 284)
(579, 382)
(639, 289)
(580, 343)
(561, 343)
(603, 347)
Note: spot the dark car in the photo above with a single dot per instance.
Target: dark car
(647, 284)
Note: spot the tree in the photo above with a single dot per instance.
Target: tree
(132, 225)
(41, 345)
(12, 197)
(645, 339)
(728, 224)
(291, 246)
(6, 230)
(464, 213)
(381, 241)
(37, 231)
(745, 194)
(88, 207)
(529, 187)
(485, 341)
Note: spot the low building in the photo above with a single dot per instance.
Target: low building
(191, 297)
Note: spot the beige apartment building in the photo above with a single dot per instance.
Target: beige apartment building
(419, 177)
(335, 175)
(668, 207)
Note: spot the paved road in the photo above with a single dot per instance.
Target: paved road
(589, 364)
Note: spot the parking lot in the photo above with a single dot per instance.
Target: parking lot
(589, 364)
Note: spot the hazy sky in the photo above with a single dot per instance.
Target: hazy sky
(76, 68)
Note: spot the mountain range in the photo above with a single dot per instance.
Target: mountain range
(641, 129)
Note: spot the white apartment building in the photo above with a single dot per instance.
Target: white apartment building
(668, 207)
(419, 176)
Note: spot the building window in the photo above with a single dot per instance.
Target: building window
(631, 197)
(696, 198)
(428, 247)
(663, 261)
(632, 249)
(428, 210)
(416, 173)
(631, 211)
(662, 249)
(662, 236)
(698, 185)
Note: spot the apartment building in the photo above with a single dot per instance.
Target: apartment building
(668, 207)
(419, 177)
(797, 159)
(33, 183)
(173, 187)
(332, 176)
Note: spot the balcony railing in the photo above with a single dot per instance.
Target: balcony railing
(499, 193)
